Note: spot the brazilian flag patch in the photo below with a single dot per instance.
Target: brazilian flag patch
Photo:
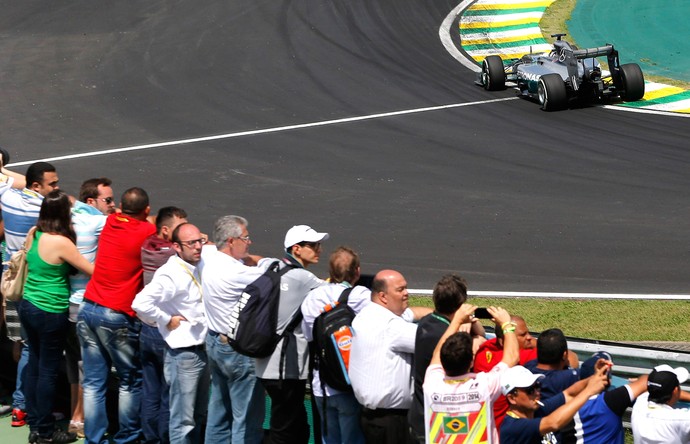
(456, 424)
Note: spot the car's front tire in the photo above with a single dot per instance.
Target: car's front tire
(632, 81)
(552, 93)
(493, 73)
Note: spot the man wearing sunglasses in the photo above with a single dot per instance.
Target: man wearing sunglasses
(529, 421)
(88, 219)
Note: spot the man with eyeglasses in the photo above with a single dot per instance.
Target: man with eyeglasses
(529, 421)
(108, 327)
(284, 373)
(155, 252)
(236, 405)
(173, 300)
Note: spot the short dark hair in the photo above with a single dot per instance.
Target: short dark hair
(134, 201)
(449, 294)
(89, 189)
(166, 215)
(551, 345)
(456, 354)
(34, 174)
(343, 265)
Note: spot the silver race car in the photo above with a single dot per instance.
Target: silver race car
(564, 74)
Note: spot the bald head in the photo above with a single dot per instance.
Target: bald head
(389, 289)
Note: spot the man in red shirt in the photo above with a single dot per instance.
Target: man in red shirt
(107, 325)
(490, 353)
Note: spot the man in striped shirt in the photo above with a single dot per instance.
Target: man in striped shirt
(20, 208)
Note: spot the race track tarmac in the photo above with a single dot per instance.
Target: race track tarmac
(508, 196)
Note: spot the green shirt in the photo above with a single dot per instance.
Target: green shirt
(47, 285)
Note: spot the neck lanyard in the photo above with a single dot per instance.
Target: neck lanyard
(191, 275)
(441, 318)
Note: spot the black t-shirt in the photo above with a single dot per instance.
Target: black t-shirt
(429, 330)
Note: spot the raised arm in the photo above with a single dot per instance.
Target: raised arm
(461, 315)
(561, 416)
(511, 348)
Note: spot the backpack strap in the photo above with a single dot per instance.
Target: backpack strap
(296, 320)
(345, 295)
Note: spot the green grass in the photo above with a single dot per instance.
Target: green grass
(555, 20)
(613, 320)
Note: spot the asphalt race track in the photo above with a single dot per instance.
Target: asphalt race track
(511, 197)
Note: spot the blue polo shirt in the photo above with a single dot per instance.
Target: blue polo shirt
(554, 381)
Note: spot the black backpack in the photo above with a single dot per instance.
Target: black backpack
(254, 319)
(332, 337)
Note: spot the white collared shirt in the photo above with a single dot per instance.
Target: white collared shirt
(313, 306)
(659, 423)
(175, 290)
(224, 278)
(381, 358)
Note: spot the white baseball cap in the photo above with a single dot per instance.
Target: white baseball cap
(303, 233)
(518, 377)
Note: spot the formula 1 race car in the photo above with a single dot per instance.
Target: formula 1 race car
(564, 74)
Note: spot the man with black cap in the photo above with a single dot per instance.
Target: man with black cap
(654, 420)
(284, 373)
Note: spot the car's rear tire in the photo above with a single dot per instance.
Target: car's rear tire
(493, 73)
(552, 93)
(632, 81)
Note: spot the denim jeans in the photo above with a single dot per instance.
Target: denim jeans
(109, 338)
(18, 398)
(46, 333)
(155, 395)
(342, 419)
(237, 404)
(187, 373)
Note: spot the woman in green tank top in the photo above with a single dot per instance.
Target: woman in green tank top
(43, 311)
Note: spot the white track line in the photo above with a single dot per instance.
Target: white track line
(260, 131)
(540, 294)
(447, 41)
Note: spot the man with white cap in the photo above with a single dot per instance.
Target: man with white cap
(284, 373)
(528, 420)
(654, 420)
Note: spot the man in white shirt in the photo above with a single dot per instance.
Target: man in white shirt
(340, 412)
(381, 358)
(237, 404)
(654, 419)
(173, 300)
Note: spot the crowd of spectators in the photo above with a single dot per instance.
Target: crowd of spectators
(150, 299)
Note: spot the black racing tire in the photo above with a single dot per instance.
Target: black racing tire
(493, 73)
(632, 81)
(552, 93)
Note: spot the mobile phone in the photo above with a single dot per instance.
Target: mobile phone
(482, 313)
